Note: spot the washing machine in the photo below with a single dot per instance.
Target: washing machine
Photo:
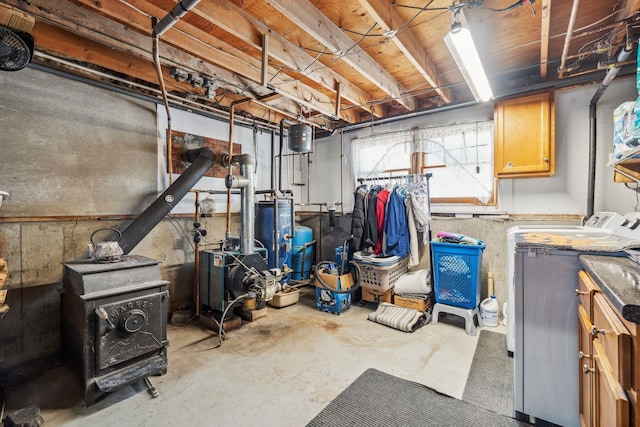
(599, 222)
(546, 265)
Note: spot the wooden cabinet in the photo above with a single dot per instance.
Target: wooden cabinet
(607, 363)
(525, 136)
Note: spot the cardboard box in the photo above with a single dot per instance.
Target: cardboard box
(372, 295)
(343, 282)
(420, 304)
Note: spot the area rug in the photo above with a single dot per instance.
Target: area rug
(490, 381)
(377, 399)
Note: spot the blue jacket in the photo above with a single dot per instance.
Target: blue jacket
(395, 227)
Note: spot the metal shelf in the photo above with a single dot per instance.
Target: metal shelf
(627, 168)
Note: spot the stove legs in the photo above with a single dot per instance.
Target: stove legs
(150, 388)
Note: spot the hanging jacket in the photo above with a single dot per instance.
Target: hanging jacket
(381, 207)
(414, 249)
(371, 223)
(395, 227)
(357, 220)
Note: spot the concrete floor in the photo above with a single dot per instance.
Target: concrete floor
(280, 370)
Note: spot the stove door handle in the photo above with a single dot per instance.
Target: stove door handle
(102, 314)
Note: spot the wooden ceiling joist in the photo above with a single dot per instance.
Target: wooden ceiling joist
(209, 48)
(240, 24)
(387, 16)
(58, 42)
(305, 15)
(544, 37)
(123, 37)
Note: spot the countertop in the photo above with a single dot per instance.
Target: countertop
(573, 241)
(619, 279)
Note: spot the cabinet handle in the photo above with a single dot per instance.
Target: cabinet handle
(581, 355)
(579, 292)
(595, 331)
(546, 159)
(588, 370)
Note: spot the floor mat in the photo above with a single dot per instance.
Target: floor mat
(376, 399)
(490, 381)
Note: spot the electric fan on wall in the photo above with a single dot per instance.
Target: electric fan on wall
(16, 42)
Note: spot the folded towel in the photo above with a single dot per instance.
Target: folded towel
(401, 318)
(414, 282)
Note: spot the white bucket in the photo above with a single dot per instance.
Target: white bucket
(489, 311)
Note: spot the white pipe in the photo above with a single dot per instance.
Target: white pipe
(245, 182)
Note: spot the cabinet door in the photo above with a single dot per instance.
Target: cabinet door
(524, 138)
(586, 289)
(614, 338)
(612, 408)
(586, 368)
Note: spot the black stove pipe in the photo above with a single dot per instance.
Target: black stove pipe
(593, 131)
(202, 159)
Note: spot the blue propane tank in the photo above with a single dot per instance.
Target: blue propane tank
(302, 258)
(264, 230)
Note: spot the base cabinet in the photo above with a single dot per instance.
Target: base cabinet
(607, 363)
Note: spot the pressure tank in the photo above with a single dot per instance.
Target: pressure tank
(300, 138)
(302, 253)
(265, 226)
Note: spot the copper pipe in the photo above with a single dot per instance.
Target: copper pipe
(569, 36)
(196, 259)
(165, 100)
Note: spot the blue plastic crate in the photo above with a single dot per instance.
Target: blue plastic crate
(457, 273)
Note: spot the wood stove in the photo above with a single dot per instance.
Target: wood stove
(114, 322)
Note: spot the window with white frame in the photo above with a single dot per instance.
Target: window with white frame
(459, 157)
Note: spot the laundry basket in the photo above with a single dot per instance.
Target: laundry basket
(457, 273)
(381, 277)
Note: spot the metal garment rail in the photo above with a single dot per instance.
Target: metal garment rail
(387, 178)
(428, 231)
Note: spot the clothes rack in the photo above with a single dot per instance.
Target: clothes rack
(414, 177)
(387, 178)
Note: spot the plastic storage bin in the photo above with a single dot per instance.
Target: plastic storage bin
(457, 273)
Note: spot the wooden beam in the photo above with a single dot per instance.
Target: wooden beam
(305, 15)
(387, 16)
(200, 43)
(58, 42)
(240, 24)
(264, 78)
(544, 37)
(100, 28)
(626, 9)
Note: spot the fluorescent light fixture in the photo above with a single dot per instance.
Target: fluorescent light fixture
(464, 52)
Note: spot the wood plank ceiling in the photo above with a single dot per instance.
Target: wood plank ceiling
(328, 62)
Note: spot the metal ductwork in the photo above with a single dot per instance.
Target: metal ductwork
(202, 160)
(178, 11)
(245, 181)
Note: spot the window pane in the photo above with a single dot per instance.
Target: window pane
(461, 157)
